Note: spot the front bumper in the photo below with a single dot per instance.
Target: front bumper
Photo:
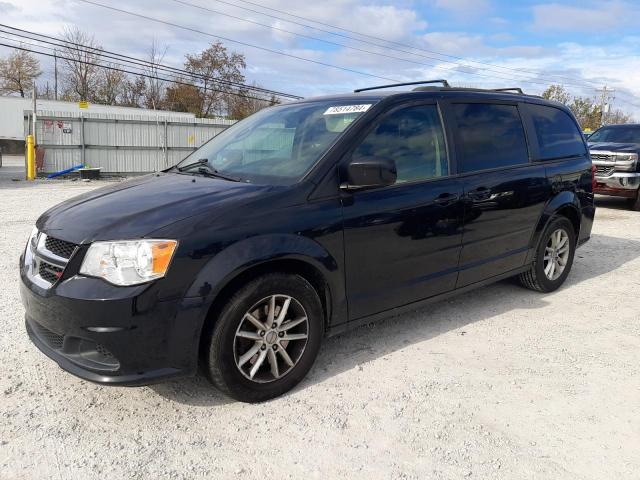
(618, 184)
(112, 335)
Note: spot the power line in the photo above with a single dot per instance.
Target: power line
(128, 59)
(329, 42)
(520, 71)
(146, 75)
(588, 84)
(277, 52)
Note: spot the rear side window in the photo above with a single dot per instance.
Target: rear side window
(413, 138)
(489, 136)
(558, 136)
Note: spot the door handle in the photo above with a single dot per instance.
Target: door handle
(480, 193)
(445, 199)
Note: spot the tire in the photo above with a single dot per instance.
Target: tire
(634, 203)
(231, 358)
(536, 278)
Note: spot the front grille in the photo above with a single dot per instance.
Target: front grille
(49, 272)
(604, 170)
(60, 248)
(52, 339)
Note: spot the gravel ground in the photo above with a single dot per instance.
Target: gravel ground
(502, 383)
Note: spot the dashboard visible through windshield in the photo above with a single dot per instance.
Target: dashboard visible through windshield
(277, 145)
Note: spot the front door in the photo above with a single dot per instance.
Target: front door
(402, 242)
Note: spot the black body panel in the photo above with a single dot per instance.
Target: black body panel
(370, 252)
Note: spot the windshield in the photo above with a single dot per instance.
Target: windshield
(277, 145)
(616, 135)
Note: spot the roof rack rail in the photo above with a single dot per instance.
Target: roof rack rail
(514, 89)
(442, 81)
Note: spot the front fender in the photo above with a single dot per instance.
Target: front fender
(250, 252)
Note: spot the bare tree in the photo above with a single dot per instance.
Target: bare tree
(110, 86)
(18, 72)
(155, 87)
(246, 103)
(133, 92)
(214, 68)
(557, 93)
(618, 116)
(81, 64)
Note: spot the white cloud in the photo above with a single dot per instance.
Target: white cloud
(596, 16)
(132, 36)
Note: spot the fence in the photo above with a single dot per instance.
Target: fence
(119, 144)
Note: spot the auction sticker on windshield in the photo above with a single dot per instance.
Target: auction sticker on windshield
(342, 109)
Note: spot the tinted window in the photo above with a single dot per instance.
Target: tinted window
(622, 134)
(414, 139)
(558, 135)
(490, 136)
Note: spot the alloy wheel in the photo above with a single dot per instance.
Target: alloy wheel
(556, 254)
(271, 338)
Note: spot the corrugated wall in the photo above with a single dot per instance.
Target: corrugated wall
(120, 144)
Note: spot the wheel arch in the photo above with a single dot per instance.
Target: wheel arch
(565, 204)
(251, 258)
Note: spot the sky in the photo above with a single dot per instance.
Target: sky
(582, 45)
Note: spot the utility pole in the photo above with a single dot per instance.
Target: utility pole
(606, 97)
(55, 74)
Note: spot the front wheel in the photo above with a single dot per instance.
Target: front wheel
(634, 203)
(266, 338)
(553, 258)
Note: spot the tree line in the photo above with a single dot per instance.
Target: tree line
(588, 111)
(87, 74)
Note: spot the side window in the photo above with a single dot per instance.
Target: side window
(490, 136)
(558, 136)
(414, 139)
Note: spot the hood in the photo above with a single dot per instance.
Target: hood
(134, 208)
(614, 147)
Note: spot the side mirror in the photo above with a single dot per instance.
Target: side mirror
(369, 172)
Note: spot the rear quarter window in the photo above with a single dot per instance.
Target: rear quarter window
(557, 133)
(489, 136)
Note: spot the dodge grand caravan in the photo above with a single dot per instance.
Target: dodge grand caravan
(303, 220)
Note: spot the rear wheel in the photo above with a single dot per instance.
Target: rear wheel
(266, 338)
(553, 258)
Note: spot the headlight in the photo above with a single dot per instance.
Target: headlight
(129, 262)
(33, 239)
(626, 161)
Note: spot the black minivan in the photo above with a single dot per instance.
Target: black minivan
(303, 220)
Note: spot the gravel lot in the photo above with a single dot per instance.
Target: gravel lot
(503, 383)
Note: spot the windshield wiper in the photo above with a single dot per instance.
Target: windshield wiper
(205, 169)
(197, 163)
(212, 172)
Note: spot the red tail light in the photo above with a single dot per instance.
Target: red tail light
(593, 178)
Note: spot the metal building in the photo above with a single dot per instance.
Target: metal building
(13, 109)
(119, 144)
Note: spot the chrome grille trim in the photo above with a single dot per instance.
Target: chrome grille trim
(44, 267)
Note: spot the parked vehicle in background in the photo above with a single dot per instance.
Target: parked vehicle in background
(306, 219)
(614, 151)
